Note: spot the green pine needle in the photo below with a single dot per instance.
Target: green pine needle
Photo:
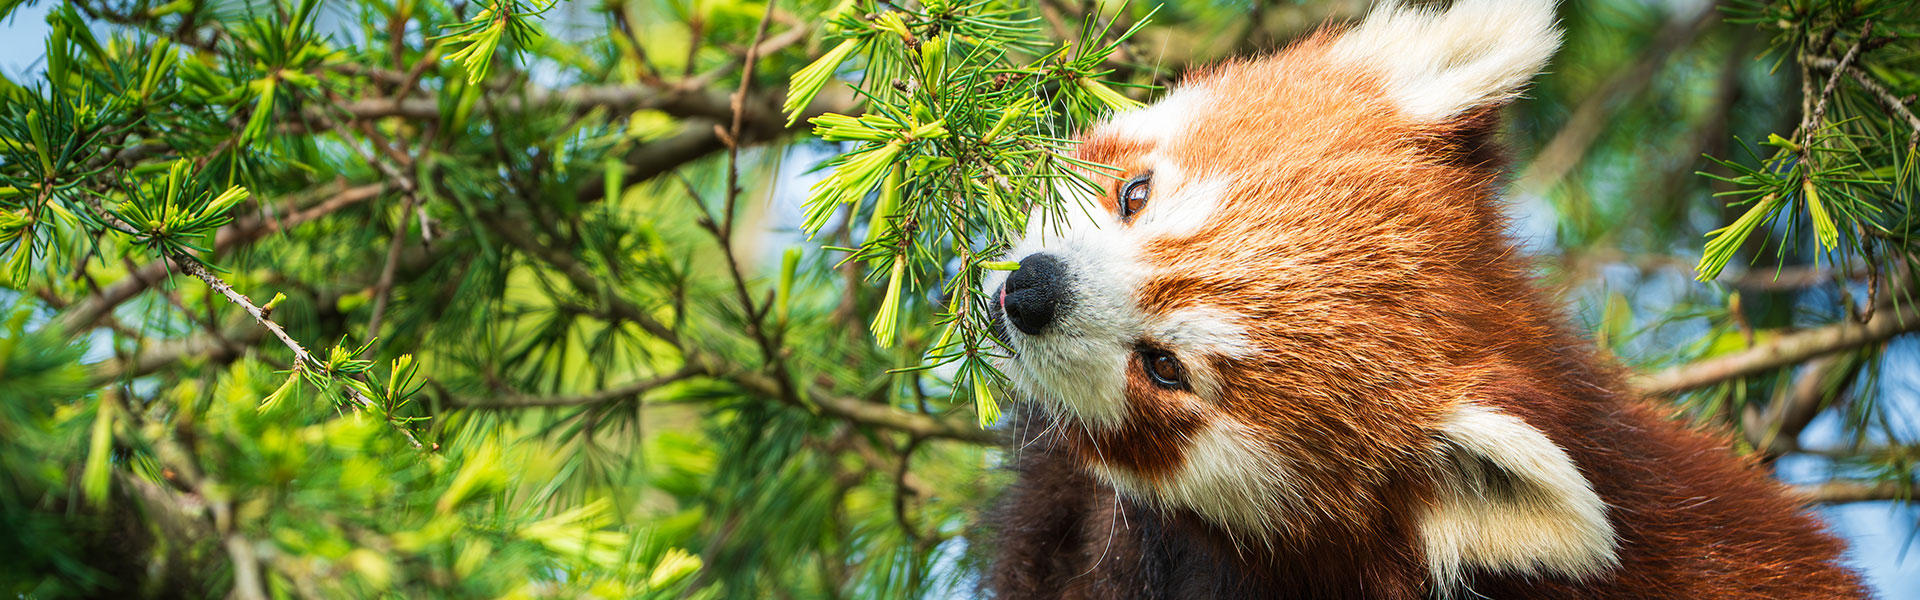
(807, 83)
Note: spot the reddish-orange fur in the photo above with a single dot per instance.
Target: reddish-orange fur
(1385, 293)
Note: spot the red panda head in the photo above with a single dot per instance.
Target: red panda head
(1293, 307)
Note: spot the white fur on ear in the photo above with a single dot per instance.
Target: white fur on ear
(1440, 64)
(1512, 502)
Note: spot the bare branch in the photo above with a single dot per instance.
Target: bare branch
(701, 137)
(1894, 103)
(608, 395)
(1842, 492)
(874, 414)
(383, 289)
(194, 268)
(1819, 113)
(1775, 429)
(221, 348)
(759, 119)
(1792, 278)
(1889, 321)
(619, 99)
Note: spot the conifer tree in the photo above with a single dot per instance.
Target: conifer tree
(681, 298)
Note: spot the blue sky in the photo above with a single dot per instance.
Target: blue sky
(25, 40)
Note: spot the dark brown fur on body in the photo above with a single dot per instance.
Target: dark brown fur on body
(1692, 519)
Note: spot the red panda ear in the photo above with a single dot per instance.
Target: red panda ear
(1511, 501)
(1439, 65)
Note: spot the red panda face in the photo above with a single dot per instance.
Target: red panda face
(1283, 308)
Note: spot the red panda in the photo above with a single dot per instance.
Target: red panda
(1289, 352)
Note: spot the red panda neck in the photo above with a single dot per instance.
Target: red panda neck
(1061, 533)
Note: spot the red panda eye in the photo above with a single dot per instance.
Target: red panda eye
(1133, 196)
(1163, 369)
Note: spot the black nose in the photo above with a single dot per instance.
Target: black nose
(1036, 292)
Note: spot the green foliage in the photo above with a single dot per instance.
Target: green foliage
(963, 132)
(503, 299)
(1849, 165)
(39, 417)
(479, 37)
(175, 215)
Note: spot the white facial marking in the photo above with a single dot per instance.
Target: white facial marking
(1160, 123)
(1550, 521)
(1440, 64)
(1227, 477)
(1185, 206)
(1078, 363)
(1204, 330)
(1198, 333)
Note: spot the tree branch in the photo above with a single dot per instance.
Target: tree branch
(1819, 113)
(155, 356)
(874, 414)
(701, 137)
(1842, 492)
(1889, 321)
(852, 409)
(759, 120)
(225, 346)
(685, 103)
(84, 313)
(1894, 103)
(582, 99)
(1569, 146)
(1775, 429)
(300, 354)
(1792, 278)
(608, 395)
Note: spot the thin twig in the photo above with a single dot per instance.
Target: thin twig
(723, 231)
(383, 289)
(406, 183)
(771, 45)
(241, 232)
(244, 231)
(1775, 429)
(1893, 103)
(737, 105)
(1819, 113)
(648, 73)
(300, 354)
(900, 489)
(194, 268)
(818, 397)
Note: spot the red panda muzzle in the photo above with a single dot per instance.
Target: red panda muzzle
(1034, 292)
